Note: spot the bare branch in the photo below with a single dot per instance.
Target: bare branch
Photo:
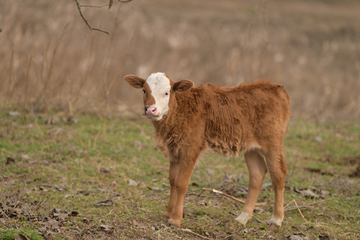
(189, 231)
(286, 208)
(95, 6)
(297, 207)
(100, 30)
(87, 23)
(229, 196)
(100, 6)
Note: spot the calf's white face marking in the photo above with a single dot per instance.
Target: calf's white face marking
(160, 90)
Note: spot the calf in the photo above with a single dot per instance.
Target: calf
(249, 118)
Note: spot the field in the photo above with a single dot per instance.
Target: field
(102, 178)
(77, 160)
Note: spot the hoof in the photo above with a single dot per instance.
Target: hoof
(175, 223)
(243, 218)
(275, 221)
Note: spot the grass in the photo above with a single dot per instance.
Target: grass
(12, 233)
(60, 171)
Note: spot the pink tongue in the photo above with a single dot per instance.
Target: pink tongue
(151, 111)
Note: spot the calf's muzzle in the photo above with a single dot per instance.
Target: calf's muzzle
(150, 111)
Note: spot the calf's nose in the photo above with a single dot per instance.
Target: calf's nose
(150, 111)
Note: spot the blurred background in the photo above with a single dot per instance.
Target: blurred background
(50, 60)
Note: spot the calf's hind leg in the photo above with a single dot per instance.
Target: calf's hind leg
(277, 168)
(257, 170)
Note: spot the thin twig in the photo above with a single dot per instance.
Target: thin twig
(4, 214)
(100, 30)
(39, 205)
(297, 206)
(201, 193)
(109, 213)
(229, 196)
(87, 23)
(189, 231)
(100, 6)
(197, 195)
(300, 211)
(301, 207)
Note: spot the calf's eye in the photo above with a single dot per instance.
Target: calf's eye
(167, 94)
(144, 90)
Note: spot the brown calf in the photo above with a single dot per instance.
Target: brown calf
(250, 118)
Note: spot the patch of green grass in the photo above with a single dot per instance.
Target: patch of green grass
(12, 234)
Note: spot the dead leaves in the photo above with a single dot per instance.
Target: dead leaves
(9, 161)
(320, 171)
(60, 215)
(70, 119)
(54, 120)
(140, 225)
(25, 157)
(317, 139)
(14, 206)
(13, 212)
(104, 170)
(21, 237)
(13, 114)
(56, 221)
(107, 228)
(297, 237)
(356, 173)
(104, 203)
(12, 200)
(306, 192)
(133, 183)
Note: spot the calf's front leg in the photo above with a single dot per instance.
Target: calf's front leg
(181, 184)
(173, 172)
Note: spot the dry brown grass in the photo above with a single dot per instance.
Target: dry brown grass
(312, 47)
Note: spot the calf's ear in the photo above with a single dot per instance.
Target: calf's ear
(134, 81)
(183, 85)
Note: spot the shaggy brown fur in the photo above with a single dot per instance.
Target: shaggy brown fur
(250, 118)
